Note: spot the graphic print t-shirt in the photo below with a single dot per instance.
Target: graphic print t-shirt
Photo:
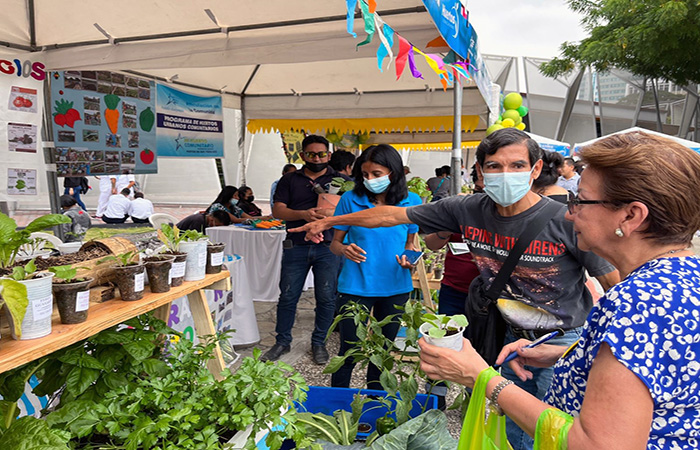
(550, 273)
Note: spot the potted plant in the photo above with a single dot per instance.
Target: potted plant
(37, 319)
(72, 294)
(340, 186)
(13, 296)
(438, 270)
(158, 269)
(129, 275)
(443, 330)
(419, 186)
(171, 236)
(194, 244)
(215, 257)
(12, 239)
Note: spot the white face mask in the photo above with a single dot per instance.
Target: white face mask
(507, 188)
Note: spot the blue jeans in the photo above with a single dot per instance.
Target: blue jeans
(381, 307)
(537, 386)
(296, 262)
(76, 195)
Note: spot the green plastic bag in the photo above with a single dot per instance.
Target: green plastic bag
(478, 433)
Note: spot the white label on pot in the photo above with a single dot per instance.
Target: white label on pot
(178, 270)
(138, 282)
(170, 276)
(217, 259)
(42, 308)
(82, 301)
(202, 259)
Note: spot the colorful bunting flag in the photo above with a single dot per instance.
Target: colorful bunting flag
(412, 64)
(372, 5)
(369, 24)
(386, 35)
(404, 47)
(350, 18)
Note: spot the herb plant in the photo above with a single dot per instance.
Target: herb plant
(170, 236)
(123, 260)
(13, 295)
(343, 184)
(419, 186)
(12, 239)
(442, 323)
(192, 235)
(66, 273)
(26, 272)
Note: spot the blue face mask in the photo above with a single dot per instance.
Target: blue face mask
(507, 188)
(377, 185)
(234, 201)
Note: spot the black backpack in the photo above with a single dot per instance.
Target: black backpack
(84, 185)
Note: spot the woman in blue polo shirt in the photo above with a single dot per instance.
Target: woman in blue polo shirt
(373, 275)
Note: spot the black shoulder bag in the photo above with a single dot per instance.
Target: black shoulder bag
(487, 328)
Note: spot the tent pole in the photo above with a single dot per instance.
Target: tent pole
(456, 181)
(50, 156)
(242, 159)
(659, 126)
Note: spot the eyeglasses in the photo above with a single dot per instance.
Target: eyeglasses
(312, 155)
(573, 201)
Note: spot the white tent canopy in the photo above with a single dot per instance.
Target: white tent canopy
(690, 144)
(551, 144)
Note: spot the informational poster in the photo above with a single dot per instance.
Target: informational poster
(189, 125)
(103, 123)
(23, 99)
(21, 137)
(21, 181)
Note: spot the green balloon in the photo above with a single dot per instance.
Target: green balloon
(512, 101)
(493, 128)
(513, 115)
(522, 110)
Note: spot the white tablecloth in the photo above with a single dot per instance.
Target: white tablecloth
(262, 253)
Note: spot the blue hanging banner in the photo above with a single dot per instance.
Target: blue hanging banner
(451, 21)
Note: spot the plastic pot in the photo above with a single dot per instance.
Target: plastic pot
(453, 341)
(69, 247)
(437, 273)
(73, 300)
(158, 270)
(130, 280)
(177, 270)
(37, 320)
(215, 257)
(196, 259)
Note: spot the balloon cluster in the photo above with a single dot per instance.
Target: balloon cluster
(513, 114)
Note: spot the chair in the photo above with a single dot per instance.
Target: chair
(159, 219)
(55, 241)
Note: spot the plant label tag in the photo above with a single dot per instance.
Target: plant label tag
(458, 248)
(178, 270)
(42, 308)
(82, 301)
(217, 259)
(170, 276)
(202, 259)
(138, 282)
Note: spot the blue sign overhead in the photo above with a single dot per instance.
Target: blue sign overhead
(449, 18)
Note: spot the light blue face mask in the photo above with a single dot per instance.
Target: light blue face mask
(507, 188)
(234, 201)
(377, 185)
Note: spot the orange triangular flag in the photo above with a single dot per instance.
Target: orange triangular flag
(437, 42)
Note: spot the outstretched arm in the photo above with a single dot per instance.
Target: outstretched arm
(381, 216)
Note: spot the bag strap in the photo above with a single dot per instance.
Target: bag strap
(545, 215)
(438, 187)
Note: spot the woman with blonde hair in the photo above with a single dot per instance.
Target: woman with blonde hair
(632, 381)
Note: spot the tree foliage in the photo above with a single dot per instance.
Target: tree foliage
(652, 38)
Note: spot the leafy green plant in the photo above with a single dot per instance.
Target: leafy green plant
(192, 235)
(419, 186)
(171, 236)
(343, 184)
(26, 272)
(442, 323)
(123, 260)
(30, 433)
(12, 239)
(13, 295)
(66, 273)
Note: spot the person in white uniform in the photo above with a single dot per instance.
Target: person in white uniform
(118, 208)
(108, 186)
(141, 208)
(126, 181)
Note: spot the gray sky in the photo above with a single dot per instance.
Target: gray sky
(524, 27)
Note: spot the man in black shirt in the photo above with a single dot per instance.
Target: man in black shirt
(296, 200)
(200, 222)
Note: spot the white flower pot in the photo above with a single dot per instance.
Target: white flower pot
(37, 320)
(196, 263)
(453, 342)
(69, 247)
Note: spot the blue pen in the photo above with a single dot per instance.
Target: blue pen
(535, 343)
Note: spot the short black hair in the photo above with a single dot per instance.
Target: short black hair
(503, 138)
(67, 201)
(313, 139)
(138, 195)
(341, 159)
(387, 156)
(569, 161)
(126, 191)
(551, 163)
(288, 168)
(446, 170)
(221, 216)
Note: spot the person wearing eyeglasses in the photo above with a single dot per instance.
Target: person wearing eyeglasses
(631, 381)
(295, 201)
(546, 290)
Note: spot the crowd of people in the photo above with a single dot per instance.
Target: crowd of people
(624, 372)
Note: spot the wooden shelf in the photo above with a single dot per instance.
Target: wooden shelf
(433, 283)
(100, 317)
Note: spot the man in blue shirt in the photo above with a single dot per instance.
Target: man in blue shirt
(296, 202)
(569, 177)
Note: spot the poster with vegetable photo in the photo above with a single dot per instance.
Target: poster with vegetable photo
(102, 113)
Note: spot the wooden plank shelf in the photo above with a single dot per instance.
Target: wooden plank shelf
(112, 312)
